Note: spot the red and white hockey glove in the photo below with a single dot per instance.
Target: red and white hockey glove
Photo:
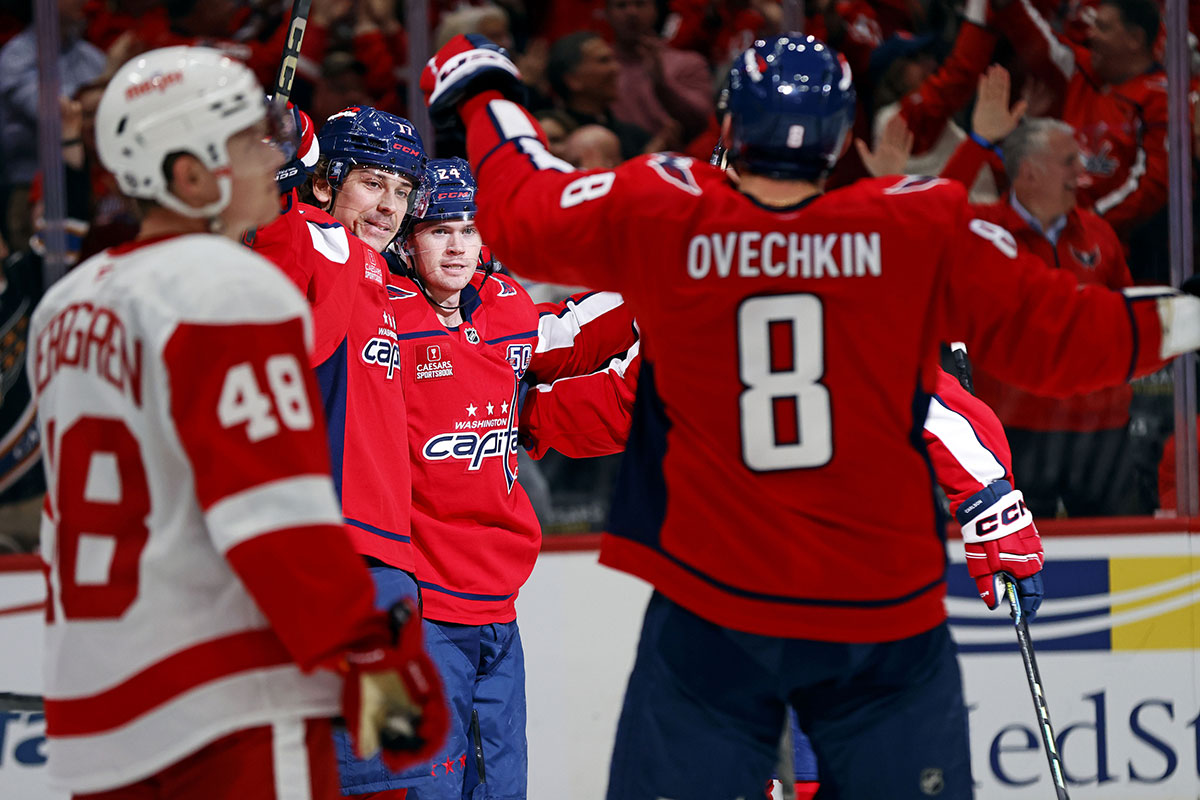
(1001, 539)
(465, 66)
(392, 698)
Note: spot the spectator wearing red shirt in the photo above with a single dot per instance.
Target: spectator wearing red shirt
(927, 97)
(1113, 93)
(1074, 449)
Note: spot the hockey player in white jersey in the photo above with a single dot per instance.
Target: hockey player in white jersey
(208, 616)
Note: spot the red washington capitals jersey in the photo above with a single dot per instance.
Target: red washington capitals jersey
(775, 478)
(475, 533)
(356, 358)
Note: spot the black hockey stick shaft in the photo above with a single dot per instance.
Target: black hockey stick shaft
(962, 369)
(1035, 688)
(290, 60)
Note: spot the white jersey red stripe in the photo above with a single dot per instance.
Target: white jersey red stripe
(199, 571)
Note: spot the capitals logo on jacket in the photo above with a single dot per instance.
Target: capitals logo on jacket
(1089, 259)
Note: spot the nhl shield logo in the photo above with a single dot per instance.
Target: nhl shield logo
(472, 335)
(932, 781)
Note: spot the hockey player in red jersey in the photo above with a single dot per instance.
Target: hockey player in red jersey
(468, 339)
(777, 494)
(366, 179)
(370, 165)
(206, 611)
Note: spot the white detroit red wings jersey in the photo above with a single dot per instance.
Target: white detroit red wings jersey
(198, 567)
(775, 480)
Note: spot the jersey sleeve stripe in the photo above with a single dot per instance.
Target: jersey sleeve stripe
(163, 681)
(958, 436)
(1126, 189)
(556, 331)
(619, 365)
(1061, 55)
(302, 501)
(511, 122)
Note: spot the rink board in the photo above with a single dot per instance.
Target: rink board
(1117, 643)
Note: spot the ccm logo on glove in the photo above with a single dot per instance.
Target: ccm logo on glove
(992, 522)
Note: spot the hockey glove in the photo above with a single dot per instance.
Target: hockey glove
(465, 66)
(1001, 539)
(392, 697)
(1178, 315)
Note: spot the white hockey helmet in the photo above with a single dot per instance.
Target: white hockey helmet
(175, 100)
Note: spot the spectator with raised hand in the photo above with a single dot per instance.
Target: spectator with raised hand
(992, 120)
(892, 150)
(1113, 93)
(927, 98)
(1071, 450)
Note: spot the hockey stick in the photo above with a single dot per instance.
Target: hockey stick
(785, 769)
(962, 368)
(288, 64)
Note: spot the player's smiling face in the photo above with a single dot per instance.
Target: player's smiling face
(446, 253)
(371, 203)
(1062, 167)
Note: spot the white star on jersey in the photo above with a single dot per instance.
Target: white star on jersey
(504, 407)
(490, 408)
(471, 409)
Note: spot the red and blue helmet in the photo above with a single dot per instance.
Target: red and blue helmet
(360, 136)
(791, 105)
(449, 191)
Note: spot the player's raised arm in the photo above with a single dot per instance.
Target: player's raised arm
(472, 80)
(1039, 330)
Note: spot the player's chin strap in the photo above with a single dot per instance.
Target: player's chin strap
(210, 211)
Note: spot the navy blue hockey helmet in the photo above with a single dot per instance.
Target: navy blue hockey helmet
(449, 195)
(791, 107)
(449, 191)
(363, 136)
